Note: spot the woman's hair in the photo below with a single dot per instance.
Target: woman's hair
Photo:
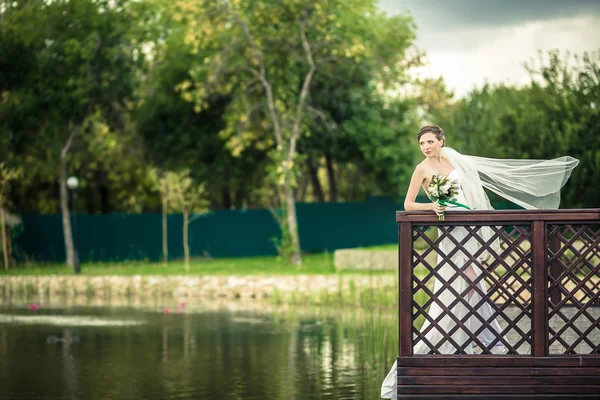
(436, 130)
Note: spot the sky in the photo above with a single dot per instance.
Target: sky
(469, 42)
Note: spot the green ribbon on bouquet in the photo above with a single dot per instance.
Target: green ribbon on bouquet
(445, 203)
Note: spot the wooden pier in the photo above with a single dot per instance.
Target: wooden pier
(543, 284)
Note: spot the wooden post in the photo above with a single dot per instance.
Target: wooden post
(405, 249)
(540, 290)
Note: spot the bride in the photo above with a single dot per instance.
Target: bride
(532, 184)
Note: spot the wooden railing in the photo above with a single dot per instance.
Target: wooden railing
(541, 278)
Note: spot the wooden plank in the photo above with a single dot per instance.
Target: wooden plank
(559, 371)
(567, 380)
(568, 389)
(479, 389)
(443, 361)
(405, 247)
(475, 380)
(569, 361)
(480, 371)
(495, 216)
(539, 325)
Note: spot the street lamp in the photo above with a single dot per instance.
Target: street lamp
(73, 183)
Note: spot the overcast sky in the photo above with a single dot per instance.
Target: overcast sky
(469, 41)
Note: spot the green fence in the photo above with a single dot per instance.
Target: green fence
(221, 233)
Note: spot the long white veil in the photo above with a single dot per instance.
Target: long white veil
(532, 184)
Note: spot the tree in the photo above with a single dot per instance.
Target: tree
(161, 184)
(6, 176)
(188, 197)
(176, 136)
(357, 125)
(178, 191)
(384, 137)
(80, 63)
(266, 56)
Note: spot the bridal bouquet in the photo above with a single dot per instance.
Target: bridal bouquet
(444, 191)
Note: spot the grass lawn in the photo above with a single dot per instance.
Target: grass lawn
(381, 247)
(312, 264)
(419, 244)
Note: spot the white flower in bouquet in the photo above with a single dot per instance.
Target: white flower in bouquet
(443, 191)
(445, 188)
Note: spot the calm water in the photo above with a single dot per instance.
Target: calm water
(194, 353)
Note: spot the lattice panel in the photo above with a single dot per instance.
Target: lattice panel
(574, 289)
(452, 304)
(514, 255)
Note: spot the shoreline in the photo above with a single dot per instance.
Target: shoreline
(363, 290)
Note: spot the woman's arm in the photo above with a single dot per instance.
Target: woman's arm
(411, 195)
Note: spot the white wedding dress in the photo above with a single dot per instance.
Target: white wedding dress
(460, 310)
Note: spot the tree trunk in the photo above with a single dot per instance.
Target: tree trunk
(240, 200)
(98, 194)
(64, 207)
(104, 199)
(4, 235)
(165, 247)
(314, 177)
(302, 189)
(226, 197)
(9, 244)
(92, 194)
(349, 184)
(289, 144)
(296, 257)
(356, 191)
(331, 176)
(186, 247)
(64, 194)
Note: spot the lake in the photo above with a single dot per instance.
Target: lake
(116, 350)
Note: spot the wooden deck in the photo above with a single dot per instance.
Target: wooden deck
(543, 284)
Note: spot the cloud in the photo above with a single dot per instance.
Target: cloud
(500, 57)
(449, 15)
(472, 43)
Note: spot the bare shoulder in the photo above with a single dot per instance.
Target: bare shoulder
(422, 169)
(420, 166)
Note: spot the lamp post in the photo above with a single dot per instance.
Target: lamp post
(72, 184)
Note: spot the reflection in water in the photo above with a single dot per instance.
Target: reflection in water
(59, 320)
(69, 367)
(269, 354)
(186, 340)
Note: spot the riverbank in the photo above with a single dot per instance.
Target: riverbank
(352, 289)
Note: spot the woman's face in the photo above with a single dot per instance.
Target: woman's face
(430, 145)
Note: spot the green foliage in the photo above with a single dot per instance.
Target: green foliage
(77, 73)
(265, 57)
(251, 43)
(183, 85)
(184, 193)
(283, 243)
(382, 139)
(555, 114)
(8, 174)
(176, 135)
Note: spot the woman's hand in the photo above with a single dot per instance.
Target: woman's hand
(438, 209)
